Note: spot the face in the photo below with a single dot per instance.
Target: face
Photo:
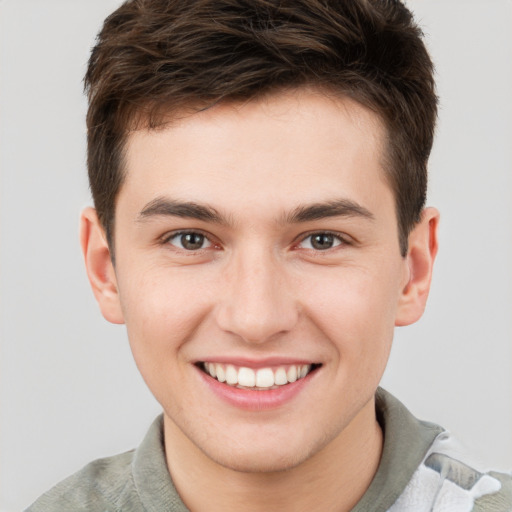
(259, 275)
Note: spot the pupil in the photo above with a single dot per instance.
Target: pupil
(192, 241)
(322, 241)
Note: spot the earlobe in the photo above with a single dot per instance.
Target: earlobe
(98, 263)
(420, 260)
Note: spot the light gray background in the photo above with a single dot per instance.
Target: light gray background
(69, 389)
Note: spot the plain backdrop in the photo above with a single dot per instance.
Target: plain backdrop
(69, 390)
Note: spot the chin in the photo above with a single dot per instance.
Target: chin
(281, 455)
(259, 463)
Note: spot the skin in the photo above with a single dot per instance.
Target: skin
(257, 289)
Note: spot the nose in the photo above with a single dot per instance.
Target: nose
(258, 303)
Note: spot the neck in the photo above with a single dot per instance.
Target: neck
(334, 479)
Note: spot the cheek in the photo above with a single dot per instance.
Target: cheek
(161, 313)
(162, 308)
(163, 300)
(355, 309)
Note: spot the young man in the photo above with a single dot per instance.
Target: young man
(259, 177)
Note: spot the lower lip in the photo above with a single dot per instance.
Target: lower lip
(256, 400)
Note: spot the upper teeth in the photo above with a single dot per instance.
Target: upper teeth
(263, 378)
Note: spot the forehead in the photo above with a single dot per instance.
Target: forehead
(293, 145)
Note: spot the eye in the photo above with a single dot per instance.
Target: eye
(189, 241)
(321, 241)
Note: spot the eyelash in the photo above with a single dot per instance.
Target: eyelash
(338, 238)
(168, 238)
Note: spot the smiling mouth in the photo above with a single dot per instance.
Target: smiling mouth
(261, 379)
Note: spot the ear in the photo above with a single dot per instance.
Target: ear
(420, 260)
(100, 268)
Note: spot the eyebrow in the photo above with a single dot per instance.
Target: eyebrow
(162, 206)
(334, 208)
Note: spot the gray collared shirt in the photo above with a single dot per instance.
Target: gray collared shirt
(412, 468)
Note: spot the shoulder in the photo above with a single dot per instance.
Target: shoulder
(500, 501)
(96, 487)
(448, 480)
(133, 481)
(424, 467)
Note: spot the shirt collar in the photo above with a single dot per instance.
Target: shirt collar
(406, 442)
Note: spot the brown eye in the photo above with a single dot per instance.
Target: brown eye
(190, 241)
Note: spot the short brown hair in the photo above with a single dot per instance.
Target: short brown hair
(155, 57)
